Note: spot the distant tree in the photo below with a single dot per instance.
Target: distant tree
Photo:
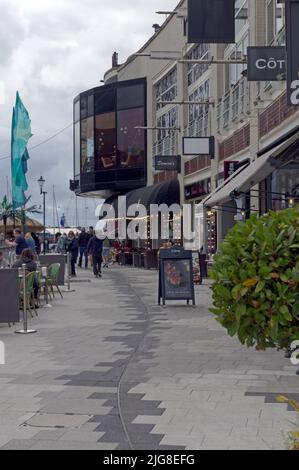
(7, 211)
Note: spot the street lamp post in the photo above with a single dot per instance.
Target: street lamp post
(41, 183)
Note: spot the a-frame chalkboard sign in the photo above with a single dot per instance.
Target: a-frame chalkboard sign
(176, 275)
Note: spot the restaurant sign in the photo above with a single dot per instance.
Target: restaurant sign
(198, 189)
(168, 163)
(199, 146)
(211, 21)
(266, 64)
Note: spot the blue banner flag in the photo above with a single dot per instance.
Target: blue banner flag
(20, 135)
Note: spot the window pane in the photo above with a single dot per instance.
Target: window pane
(131, 141)
(77, 148)
(87, 105)
(83, 107)
(105, 142)
(90, 105)
(130, 97)
(105, 100)
(87, 145)
(77, 111)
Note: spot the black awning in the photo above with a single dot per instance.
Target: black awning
(164, 193)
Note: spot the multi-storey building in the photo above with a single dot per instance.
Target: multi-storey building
(251, 123)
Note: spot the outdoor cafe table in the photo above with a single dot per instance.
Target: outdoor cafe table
(9, 296)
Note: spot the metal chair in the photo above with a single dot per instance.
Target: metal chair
(53, 278)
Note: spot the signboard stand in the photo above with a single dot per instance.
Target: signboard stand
(176, 276)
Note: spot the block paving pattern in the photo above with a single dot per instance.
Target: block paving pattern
(139, 376)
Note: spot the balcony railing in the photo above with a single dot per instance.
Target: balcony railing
(234, 105)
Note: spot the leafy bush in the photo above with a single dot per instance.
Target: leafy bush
(256, 280)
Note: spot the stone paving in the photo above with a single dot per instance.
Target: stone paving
(109, 369)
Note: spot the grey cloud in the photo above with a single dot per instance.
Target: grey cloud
(53, 50)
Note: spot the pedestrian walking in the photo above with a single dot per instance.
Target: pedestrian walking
(61, 244)
(83, 240)
(19, 242)
(95, 248)
(73, 249)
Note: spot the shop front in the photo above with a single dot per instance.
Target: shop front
(271, 182)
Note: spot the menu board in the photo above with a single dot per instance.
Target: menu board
(176, 275)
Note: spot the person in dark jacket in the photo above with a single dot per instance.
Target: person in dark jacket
(19, 242)
(37, 243)
(73, 249)
(83, 243)
(95, 248)
(27, 257)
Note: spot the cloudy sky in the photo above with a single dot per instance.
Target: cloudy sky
(50, 50)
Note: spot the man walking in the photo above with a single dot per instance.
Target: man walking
(73, 249)
(83, 243)
(95, 248)
(19, 242)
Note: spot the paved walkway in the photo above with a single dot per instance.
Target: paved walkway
(109, 369)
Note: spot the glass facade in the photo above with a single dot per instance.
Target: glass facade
(87, 145)
(166, 88)
(131, 144)
(109, 148)
(105, 141)
(195, 71)
(283, 184)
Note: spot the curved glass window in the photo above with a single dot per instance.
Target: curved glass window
(77, 148)
(87, 145)
(131, 141)
(105, 141)
(109, 152)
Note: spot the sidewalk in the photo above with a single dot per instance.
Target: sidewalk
(109, 369)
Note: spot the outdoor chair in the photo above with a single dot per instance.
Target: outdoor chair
(29, 294)
(53, 279)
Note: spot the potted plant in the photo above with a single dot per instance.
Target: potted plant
(256, 281)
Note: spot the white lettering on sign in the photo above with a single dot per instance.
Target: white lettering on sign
(294, 97)
(270, 64)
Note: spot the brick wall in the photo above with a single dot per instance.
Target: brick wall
(270, 118)
(164, 176)
(240, 140)
(197, 163)
(275, 114)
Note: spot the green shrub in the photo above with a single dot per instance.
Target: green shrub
(256, 280)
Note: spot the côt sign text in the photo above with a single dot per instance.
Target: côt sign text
(266, 64)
